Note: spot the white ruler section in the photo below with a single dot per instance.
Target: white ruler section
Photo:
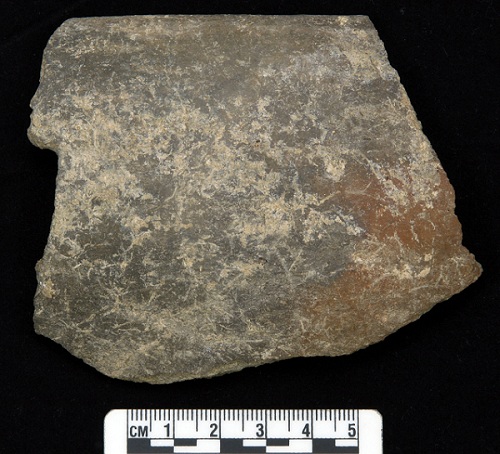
(203, 431)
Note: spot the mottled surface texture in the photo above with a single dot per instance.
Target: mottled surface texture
(234, 191)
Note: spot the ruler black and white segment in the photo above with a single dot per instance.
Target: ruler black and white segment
(202, 431)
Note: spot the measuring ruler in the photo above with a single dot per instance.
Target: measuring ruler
(200, 431)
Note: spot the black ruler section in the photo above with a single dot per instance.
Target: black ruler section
(185, 442)
(234, 445)
(327, 446)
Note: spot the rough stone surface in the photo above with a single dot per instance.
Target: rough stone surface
(235, 190)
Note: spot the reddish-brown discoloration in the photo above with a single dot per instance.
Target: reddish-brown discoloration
(368, 301)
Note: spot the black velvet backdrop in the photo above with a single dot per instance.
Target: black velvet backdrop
(436, 382)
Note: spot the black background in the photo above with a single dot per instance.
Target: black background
(436, 382)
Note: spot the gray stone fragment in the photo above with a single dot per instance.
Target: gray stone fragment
(232, 191)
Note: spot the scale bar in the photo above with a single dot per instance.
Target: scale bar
(200, 431)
